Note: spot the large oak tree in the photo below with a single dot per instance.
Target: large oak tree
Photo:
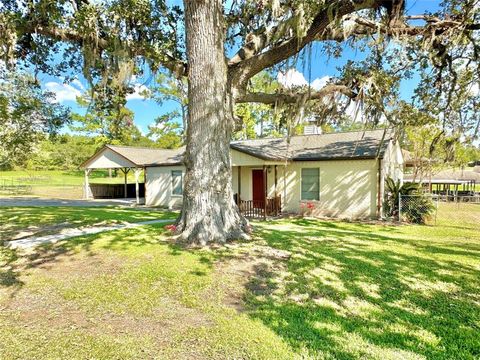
(111, 40)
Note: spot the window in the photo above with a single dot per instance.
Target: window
(310, 184)
(177, 182)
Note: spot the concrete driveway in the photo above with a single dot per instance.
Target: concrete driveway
(31, 201)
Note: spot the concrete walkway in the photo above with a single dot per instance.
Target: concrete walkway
(32, 201)
(31, 242)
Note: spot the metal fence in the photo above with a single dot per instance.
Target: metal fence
(449, 211)
(19, 187)
(13, 187)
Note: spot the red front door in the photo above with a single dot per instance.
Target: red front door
(258, 188)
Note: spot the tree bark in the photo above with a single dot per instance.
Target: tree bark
(209, 213)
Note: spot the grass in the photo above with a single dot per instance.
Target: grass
(61, 177)
(44, 220)
(302, 288)
(63, 184)
(458, 214)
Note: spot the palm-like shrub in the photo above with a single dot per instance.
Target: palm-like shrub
(416, 209)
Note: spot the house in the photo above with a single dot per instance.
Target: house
(337, 174)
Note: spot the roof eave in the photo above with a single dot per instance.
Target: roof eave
(261, 157)
(331, 158)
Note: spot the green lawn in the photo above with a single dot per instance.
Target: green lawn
(61, 177)
(300, 289)
(66, 184)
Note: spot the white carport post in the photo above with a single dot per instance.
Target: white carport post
(137, 172)
(87, 185)
(125, 172)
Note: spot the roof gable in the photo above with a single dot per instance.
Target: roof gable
(114, 156)
(106, 158)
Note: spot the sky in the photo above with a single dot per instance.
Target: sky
(317, 73)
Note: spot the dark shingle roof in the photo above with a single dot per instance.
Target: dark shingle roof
(334, 146)
(150, 156)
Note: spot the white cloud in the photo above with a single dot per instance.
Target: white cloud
(319, 83)
(291, 78)
(475, 89)
(294, 78)
(78, 84)
(137, 95)
(70, 91)
(65, 92)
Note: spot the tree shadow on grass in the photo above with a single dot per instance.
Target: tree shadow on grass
(15, 263)
(9, 275)
(351, 293)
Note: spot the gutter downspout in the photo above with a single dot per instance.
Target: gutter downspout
(379, 189)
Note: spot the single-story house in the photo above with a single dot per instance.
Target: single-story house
(337, 174)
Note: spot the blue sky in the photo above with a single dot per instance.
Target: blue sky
(147, 110)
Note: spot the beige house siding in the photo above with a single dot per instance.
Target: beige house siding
(348, 188)
(158, 187)
(241, 159)
(393, 162)
(108, 159)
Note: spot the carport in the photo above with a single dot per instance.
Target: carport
(126, 159)
(121, 158)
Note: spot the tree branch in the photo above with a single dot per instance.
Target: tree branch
(177, 67)
(334, 9)
(250, 60)
(292, 98)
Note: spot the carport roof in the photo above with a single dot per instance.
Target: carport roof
(141, 157)
(149, 156)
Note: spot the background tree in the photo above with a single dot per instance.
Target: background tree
(257, 119)
(27, 114)
(116, 38)
(65, 152)
(170, 88)
(167, 132)
(108, 120)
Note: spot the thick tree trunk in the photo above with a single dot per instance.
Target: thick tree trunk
(209, 213)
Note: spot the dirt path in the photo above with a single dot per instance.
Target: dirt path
(32, 201)
(33, 241)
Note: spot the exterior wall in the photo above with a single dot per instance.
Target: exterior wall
(108, 159)
(348, 189)
(392, 166)
(393, 163)
(158, 187)
(246, 180)
(238, 158)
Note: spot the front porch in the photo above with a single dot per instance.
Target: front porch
(260, 208)
(257, 193)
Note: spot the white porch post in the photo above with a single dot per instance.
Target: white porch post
(125, 172)
(137, 187)
(87, 186)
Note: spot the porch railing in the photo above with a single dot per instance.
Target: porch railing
(260, 208)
